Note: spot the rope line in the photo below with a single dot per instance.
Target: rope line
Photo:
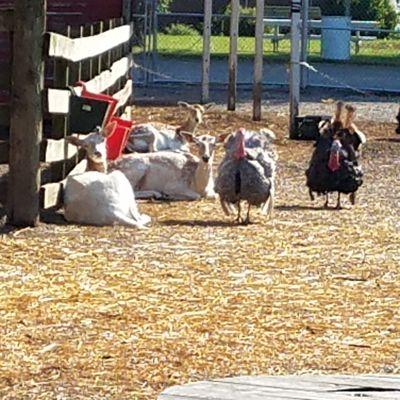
(334, 80)
(305, 64)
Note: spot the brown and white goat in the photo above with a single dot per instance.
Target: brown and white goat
(151, 137)
(95, 197)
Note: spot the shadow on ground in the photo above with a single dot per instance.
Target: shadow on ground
(301, 207)
(204, 223)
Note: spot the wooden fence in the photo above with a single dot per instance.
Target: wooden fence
(98, 54)
(6, 27)
(233, 55)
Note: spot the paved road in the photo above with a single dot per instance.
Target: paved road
(340, 75)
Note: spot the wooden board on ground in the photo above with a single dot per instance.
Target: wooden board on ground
(303, 387)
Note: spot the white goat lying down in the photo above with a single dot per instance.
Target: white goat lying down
(157, 136)
(95, 197)
(172, 175)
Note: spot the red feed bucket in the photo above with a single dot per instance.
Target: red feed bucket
(116, 141)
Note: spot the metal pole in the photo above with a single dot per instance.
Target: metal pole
(294, 65)
(304, 42)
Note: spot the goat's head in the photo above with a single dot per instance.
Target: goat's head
(95, 146)
(398, 122)
(205, 145)
(195, 114)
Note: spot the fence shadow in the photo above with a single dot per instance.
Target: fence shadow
(4, 227)
(389, 140)
(299, 207)
(52, 216)
(200, 223)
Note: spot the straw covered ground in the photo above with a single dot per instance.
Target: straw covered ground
(116, 313)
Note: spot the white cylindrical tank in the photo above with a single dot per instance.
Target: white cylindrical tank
(336, 37)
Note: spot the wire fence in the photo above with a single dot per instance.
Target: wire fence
(366, 40)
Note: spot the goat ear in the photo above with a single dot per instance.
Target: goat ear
(75, 141)
(109, 129)
(323, 126)
(187, 136)
(183, 104)
(208, 106)
(222, 137)
(267, 133)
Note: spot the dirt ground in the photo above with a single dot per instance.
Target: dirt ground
(116, 313)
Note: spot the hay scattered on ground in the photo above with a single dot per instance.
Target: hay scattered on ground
(116, 313)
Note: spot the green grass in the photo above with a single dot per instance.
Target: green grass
(381, 51)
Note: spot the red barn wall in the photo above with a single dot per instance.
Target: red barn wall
(61, 13)
(77, 11)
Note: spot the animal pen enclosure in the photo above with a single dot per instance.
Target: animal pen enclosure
(34, 118)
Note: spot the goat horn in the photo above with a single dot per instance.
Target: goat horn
(339, 110)
(349, 116)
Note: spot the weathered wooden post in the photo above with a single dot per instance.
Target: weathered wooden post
(258, 60)
(205, 73)
(26, 112)
(294, 65)
(304, 42)
(127, 17)
(233, 57)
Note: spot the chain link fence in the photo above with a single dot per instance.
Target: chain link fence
(367, 30)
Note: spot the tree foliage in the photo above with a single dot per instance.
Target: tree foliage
(164, 6)
(382, 11)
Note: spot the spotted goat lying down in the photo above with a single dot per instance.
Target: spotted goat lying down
(96, 197)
